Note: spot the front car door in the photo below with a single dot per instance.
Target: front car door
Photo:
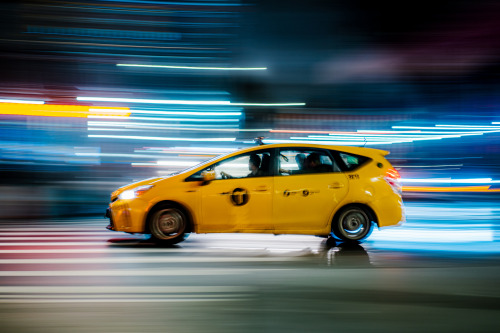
(239, 199)
(307, 189)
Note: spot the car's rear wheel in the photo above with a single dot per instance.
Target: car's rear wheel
(352, 223)
(167, 225)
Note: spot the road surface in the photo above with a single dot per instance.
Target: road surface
(437, 273)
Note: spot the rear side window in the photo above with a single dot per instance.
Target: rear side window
(305, 161)
(352, 161)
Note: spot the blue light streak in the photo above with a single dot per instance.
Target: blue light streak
(156, 138)
(168, 119)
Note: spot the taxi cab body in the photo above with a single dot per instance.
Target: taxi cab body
(279, 189)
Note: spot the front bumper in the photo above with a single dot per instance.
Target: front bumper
(108, 215)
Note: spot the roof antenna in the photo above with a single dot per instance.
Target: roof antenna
(258, 140)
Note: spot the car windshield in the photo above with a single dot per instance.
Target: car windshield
(202, 163)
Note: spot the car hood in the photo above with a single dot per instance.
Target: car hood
(149, 181)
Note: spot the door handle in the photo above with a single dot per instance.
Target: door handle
(225, 193)
(261, 189)
(335, 185)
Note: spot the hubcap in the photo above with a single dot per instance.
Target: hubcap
(169, 223)
(354, 224)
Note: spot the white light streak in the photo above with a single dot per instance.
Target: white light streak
(155, 138)
(196, 67)
(333, 143)
(451, 128)
(436, 235)
(116, 155)
(179, 102)
(21, 101)
(450, 181)
(227, 128)
(192, 127)
(178, 163)
(467, 127)
(151, 101)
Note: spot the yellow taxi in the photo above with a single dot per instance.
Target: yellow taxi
(279, 189)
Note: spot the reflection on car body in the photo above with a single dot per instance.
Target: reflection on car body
(291, 189)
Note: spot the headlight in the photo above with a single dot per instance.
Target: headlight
(134, 193)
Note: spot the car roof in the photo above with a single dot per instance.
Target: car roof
(369, 152)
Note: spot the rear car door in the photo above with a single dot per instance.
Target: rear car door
(306, 195)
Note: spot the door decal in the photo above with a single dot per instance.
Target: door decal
(239, 197)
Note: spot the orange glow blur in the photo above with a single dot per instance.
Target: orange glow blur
(48, 110)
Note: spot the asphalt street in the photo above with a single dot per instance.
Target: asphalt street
(437, 273)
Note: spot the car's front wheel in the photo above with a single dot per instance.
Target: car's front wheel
(167, 225)
(352, 223)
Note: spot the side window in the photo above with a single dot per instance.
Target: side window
(353, 161)
(241, 166)
(305, 161)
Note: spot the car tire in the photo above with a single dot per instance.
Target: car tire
(352, 223)
(167, 224)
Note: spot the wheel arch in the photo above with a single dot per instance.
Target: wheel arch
(368, 209)
(185, 210)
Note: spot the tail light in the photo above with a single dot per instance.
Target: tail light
(393, 178)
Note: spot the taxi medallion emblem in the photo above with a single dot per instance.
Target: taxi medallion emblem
(239, 197)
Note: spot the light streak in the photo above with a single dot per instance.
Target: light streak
(436, 235)
(178, 163)
(190, 127)
(168, 119)
(196, 67)
(468, 127)
(331, 143)
(178, 102)
(485, 188)
(450, 127)
(151, 101)
(429, 166)
(227, 128)
(189, 113)
(55, 110)
(156, 138)
(116, 155)
(20, 101)
(214, 151)
(269, 104)
(450, 181)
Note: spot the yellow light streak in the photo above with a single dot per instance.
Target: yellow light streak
(54, 110)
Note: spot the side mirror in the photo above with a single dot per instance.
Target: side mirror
(208, 176)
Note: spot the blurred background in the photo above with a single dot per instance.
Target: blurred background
(97, 94)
